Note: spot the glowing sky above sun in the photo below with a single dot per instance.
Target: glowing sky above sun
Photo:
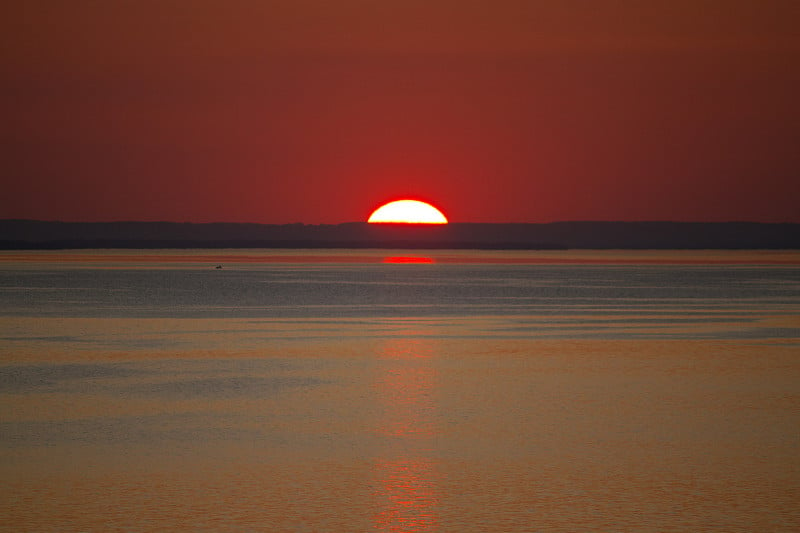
(316, 111)
(407, 212)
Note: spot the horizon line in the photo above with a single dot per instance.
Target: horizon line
(570, 221)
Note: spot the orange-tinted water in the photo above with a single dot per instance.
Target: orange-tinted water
(594, 420)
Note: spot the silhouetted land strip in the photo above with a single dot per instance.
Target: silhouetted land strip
(31, 234)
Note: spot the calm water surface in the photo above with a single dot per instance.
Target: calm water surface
(399, 391)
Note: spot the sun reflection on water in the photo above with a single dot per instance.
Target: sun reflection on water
(408, 493)
(406, 474)
(404, 259)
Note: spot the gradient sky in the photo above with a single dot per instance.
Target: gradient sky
(320, 111)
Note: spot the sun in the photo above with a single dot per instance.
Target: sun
(407, 212)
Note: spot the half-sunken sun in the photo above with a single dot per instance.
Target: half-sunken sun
(407, 212)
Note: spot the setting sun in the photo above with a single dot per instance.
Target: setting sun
(407, 212)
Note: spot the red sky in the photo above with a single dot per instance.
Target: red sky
(319, 111)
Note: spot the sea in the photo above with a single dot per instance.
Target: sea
(399, 390)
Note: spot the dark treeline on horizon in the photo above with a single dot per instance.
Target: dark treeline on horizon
(31, 234)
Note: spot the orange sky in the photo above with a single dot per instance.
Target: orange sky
(319, 111)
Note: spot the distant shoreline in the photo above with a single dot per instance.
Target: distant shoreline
(45, 235)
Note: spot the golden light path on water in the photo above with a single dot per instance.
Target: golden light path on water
(406, 484)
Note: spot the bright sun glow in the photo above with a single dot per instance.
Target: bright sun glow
(407, 212)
